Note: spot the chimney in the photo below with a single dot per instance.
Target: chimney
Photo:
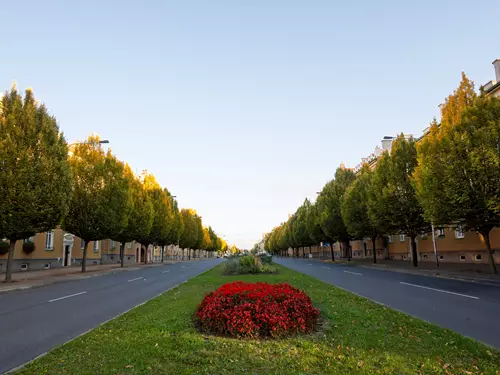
(496, 64)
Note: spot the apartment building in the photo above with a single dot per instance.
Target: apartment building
(56, 249)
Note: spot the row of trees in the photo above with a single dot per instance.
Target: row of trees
(45, 183)
(450, 177)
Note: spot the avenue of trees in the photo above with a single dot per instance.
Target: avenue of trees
(46, 183)
(449, 177)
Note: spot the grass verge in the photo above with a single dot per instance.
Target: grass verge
(357, 337)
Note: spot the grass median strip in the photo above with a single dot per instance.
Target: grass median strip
(356, 337)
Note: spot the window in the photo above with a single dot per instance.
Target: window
(462, 258)
(425, 256)
(440, 232)
(441, 257)
(477, 257)
(402, 237)
(82, 244)
(46, 266)
(111, 244)
(29, 239)
(459, 233)
(96, 246)
(49, 240)
(389, 238)
(24, 267)
(129, 245)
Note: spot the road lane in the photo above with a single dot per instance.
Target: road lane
(471, 309)
(34, 321)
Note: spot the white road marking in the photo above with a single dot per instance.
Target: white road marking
(309, 264)
(71, 295)
(325, 267)
(354, 273)
(166, 271)
(183, 267)
(137, 278)
(439, 290)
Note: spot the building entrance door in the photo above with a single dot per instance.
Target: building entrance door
(67, 256)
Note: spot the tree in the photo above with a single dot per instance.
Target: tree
(207, 241)
(35, 178)
(379, 203)
(192, 236)
(314, 228)
(404, 211)
(329, 204)
(100, 200)
(299, 228)
(140, 217)
(355, 209)
(433, 151)
(471, 173)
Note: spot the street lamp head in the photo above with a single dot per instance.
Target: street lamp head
(103, 141)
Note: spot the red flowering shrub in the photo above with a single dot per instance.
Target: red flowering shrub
(242, 309)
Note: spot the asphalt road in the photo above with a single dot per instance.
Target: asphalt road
(472, 309)
(34, 321)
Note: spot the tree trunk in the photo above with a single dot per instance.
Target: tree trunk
(189, 254)
(491, 259)
(146, 254)
(84, 258)
(414, 257)
(333, 254)
(8, 272)
(348, 248)
(122, 254)
(162, 251)
(374, 247)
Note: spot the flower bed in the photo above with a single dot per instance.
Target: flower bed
(242, 309)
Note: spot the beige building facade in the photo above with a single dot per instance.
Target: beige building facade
(56, 249)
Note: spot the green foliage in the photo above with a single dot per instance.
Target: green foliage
(471, 175)
(35, 178)
(4, 247)
(266, 259)
(434, 151)
(162, 209)
(140, 215)
(355, 206)
(101, 199)
(28, 247)
(192, 236)
(248, 264)
(378, 203)
(403, 210)
(330, 205)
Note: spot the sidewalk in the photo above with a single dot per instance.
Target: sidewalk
(32, 279)
(466, 272)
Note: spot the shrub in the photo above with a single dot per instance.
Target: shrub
(266, 259)
(242, 309)
(247, 264)
(4, 247)
(28, 247)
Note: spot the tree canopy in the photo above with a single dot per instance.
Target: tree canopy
(35, 178)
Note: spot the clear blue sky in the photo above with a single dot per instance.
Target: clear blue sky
(244, 108)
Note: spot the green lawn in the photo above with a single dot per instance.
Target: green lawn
(356, 337)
